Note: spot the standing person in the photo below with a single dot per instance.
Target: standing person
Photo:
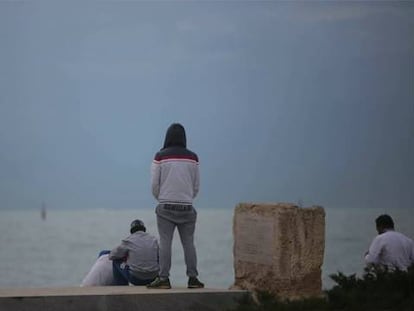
(175, 183)
(389, 248)
(135, 260)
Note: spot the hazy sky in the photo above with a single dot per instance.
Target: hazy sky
(281, 100)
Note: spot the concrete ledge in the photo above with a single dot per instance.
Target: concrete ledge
(125, 298)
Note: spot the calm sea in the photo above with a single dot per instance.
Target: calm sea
(60, 250)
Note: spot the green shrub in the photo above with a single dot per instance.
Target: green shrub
(377, 290)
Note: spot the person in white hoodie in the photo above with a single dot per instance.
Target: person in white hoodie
(390, 249)
(175, 183)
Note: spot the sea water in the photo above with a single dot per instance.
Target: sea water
(60, 250)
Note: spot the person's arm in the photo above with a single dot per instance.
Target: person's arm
(119, 252)
(374, 252)
(196, 185)
(155, 178)
(158, 251)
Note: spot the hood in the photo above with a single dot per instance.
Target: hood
(175, 136)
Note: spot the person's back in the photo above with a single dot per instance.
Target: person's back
(142, 254)
(175, 170)
(390, 248)
(135, 260)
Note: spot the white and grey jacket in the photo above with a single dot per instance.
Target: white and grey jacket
(175, 177)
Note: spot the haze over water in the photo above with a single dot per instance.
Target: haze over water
(61, 250)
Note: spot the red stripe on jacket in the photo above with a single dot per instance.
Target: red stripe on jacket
(176, 157)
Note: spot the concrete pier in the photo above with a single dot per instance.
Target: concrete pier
(112, 298)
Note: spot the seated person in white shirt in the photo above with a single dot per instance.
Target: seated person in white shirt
(389, 248)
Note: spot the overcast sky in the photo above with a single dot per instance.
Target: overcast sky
(282, 101)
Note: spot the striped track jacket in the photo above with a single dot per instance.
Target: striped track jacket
(175, 177)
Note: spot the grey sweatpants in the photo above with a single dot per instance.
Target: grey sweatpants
(185, 221)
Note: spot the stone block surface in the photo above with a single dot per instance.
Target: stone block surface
(112, 298)
(279, 248)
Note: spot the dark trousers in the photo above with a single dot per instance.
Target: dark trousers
(122, 276)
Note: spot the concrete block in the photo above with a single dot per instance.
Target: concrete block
(279, 248)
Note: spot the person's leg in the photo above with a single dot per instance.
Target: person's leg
(120, 274)
(139, 282)
(186, 232)
(166, 232)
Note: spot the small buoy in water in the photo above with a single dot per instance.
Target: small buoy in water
(43, 212)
